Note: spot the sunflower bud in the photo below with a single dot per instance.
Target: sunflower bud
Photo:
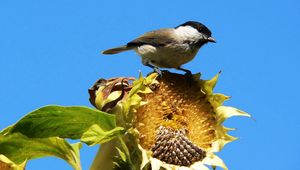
(105, 94)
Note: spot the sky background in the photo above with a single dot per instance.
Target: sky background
(50, 54)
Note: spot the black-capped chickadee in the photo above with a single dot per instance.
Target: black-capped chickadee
(168, 47)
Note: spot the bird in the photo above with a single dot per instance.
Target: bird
(168, 47)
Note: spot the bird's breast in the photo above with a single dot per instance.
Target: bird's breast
(170, 56)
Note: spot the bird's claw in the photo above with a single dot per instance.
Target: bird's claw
(158, 71)
(188, 73)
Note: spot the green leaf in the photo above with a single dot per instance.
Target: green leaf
(19, 148)
(5, 130)
(96, 135)
(64, 122)
(122, 154)
(76, 148)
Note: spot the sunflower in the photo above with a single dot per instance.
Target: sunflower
(173, 121)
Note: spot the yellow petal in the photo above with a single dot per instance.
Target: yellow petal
(224, 112)
(218, 99)
(209, 85)
(199, 166)
(156, 164)
(222, 139)
(214, 160)
(11, 164)
(145, 157)
(150, 79)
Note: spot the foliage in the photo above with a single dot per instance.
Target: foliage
(41, 133)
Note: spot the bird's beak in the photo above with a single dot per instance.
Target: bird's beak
(211, 39)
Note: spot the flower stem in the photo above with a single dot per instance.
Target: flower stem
(125, 148)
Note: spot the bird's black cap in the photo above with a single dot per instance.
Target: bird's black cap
(197, 25)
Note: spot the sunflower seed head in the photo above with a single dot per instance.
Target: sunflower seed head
(173, 147)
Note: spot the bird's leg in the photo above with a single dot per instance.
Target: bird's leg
(146, 62)
(187, 72)
(156, 69)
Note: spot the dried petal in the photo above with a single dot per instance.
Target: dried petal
(105, 94)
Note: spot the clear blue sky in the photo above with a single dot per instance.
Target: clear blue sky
(50, 54)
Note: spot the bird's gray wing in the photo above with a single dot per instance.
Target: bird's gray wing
(158, 38)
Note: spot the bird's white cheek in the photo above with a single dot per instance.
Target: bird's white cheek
(188, 33)
(146, 49)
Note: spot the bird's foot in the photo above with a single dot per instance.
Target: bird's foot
(188, 75)
(187, 72)
(158, 71)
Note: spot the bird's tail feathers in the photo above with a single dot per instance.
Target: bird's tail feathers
(117, 50)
